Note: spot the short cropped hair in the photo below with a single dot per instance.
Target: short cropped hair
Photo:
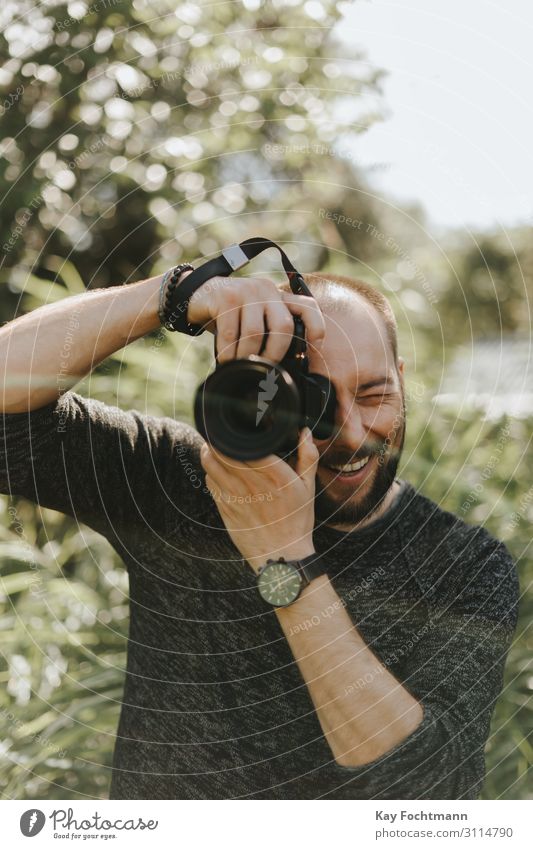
(319, 284)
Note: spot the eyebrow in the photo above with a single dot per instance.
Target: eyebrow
(379, 381)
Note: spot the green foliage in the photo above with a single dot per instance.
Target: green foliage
(64, 621)
(482, 471)
(490, 282)
(147, 133)
(145, 129)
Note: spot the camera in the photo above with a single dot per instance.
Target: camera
(251, 407)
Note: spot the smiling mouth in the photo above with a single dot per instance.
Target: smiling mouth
(349, 468)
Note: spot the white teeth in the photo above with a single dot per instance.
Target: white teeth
(351, 467)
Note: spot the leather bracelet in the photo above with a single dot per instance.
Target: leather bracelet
(167, 312)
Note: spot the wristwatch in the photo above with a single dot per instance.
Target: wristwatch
(281, 581)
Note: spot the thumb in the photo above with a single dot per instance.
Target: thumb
(307, 460)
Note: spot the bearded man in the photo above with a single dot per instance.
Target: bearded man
(377, 678)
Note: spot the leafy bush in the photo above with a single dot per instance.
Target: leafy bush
(138, 137)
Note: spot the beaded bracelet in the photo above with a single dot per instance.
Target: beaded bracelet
(169, 282)
(162, 287)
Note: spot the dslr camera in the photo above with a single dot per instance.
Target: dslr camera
(251, 407)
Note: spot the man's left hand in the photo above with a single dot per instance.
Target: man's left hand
(267, 506)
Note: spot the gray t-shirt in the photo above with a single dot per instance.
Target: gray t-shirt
(214, 704)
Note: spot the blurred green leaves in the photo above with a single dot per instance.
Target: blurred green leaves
(137, 135)
(144, 128)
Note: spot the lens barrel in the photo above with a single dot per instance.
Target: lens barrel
(249, 408)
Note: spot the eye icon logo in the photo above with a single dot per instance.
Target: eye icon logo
(32, 822)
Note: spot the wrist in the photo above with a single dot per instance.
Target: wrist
(294, 552)
(141, 302)
(314, 599)
(198, 309)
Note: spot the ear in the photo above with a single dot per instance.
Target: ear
(401, 366)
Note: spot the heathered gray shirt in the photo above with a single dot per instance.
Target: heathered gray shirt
(214, 705)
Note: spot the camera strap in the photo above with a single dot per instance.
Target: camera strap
(231, 259)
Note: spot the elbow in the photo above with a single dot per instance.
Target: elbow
(383, 741)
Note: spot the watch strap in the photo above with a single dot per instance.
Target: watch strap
(311, 567)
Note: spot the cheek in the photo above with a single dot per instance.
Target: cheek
(385, 420)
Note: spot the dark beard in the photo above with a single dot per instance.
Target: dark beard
(329, 511)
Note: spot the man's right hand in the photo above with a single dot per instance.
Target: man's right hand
(242, 309)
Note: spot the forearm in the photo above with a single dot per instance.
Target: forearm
(52, 348)
(363, 710)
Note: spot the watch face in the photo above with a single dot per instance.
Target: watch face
(279, 583)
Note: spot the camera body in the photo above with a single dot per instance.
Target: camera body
(251, 407)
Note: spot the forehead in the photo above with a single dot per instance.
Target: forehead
(356, 345)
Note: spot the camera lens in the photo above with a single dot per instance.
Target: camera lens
(238, 407)
(249, 408)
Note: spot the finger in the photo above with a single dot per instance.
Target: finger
(311, 314)
(280, 326)
(252, 329)
(264, 464)
(307, 458)
(227, 473)
(228, 325)
(209, 461)
(217, 494)
(213, 462)
(210, 484)
(214, 456)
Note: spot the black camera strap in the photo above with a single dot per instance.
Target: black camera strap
(231, 259)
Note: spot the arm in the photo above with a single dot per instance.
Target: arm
(50, 349)
(455, 674)
(96, 462)
(363, 710)
(359, 724)
(457, 669)
(417, 735)
(84, 458)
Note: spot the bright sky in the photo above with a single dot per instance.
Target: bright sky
(460, 92)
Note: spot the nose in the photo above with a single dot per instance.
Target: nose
(350, 430)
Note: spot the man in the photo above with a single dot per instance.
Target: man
(379, 679)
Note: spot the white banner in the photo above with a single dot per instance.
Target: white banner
(251, 825)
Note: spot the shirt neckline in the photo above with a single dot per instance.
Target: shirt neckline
(378, 524)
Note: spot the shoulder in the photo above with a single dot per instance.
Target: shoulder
(131, 423)
(145, 449)
(458, 561)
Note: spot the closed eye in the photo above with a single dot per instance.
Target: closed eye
(370, 397)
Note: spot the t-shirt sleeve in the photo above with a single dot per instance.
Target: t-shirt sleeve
(113, 470)
(456, 673)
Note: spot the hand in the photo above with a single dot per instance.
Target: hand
(243, 308)
(267, 506)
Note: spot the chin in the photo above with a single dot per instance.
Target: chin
(363, 501)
